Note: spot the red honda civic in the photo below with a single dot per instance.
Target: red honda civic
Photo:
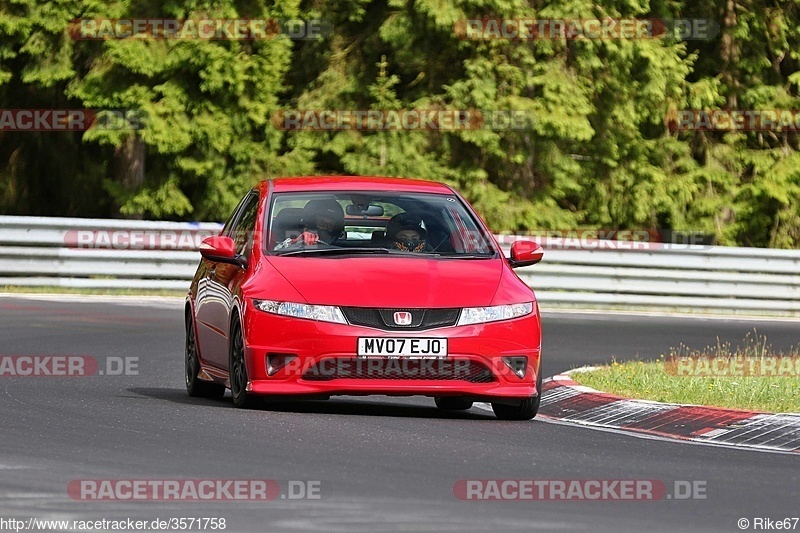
(355, 286)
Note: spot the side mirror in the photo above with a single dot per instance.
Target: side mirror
(221, 249)
(525, 253)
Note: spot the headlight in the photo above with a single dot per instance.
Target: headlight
(325, 313)
(478, 315)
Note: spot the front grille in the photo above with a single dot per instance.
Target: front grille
(445, 369)
(421, 319)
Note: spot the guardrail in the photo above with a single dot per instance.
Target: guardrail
(47, 252)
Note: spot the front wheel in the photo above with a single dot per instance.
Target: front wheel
(238, 368)
(526, 409)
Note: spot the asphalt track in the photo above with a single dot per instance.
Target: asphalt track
(386, 464)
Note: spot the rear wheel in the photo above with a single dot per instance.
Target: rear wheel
(238, 368)
(452, 403)
(196, 387)
(526, 409)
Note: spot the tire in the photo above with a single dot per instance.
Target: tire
(196, 387)
(452, 403)
(238, 368)
(526, 409)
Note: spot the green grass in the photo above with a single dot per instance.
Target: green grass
(76, 290)
(651, 380)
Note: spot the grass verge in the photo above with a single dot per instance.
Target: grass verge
(77, 290)
(751, 376)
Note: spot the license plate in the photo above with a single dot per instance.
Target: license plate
(401, 347)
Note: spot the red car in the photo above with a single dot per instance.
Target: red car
(355, 286)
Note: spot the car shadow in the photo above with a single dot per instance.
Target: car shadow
(337, 405)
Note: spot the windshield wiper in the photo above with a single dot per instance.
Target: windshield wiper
(335, 251)
(470, 256)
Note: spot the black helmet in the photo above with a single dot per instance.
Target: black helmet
(406, 222)
(328, 209)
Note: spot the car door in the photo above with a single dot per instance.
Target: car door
(215, 295)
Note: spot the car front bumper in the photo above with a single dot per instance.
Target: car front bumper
(325, 360)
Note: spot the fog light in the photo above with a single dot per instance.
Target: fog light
(276, 361)
(518, 365)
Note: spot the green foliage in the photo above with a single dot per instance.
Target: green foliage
(599, 152)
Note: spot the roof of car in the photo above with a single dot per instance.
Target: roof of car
(359, 183)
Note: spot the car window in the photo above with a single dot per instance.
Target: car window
(393, 222)
(242, 230)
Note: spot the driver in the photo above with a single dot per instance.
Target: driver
(323, 223)
(405, 232)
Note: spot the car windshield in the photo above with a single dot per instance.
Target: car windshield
(375, 223)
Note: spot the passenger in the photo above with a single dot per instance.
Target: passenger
(405, 232)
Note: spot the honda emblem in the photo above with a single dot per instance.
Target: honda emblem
(402, 318)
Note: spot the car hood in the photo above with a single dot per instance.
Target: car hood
(392, 282)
